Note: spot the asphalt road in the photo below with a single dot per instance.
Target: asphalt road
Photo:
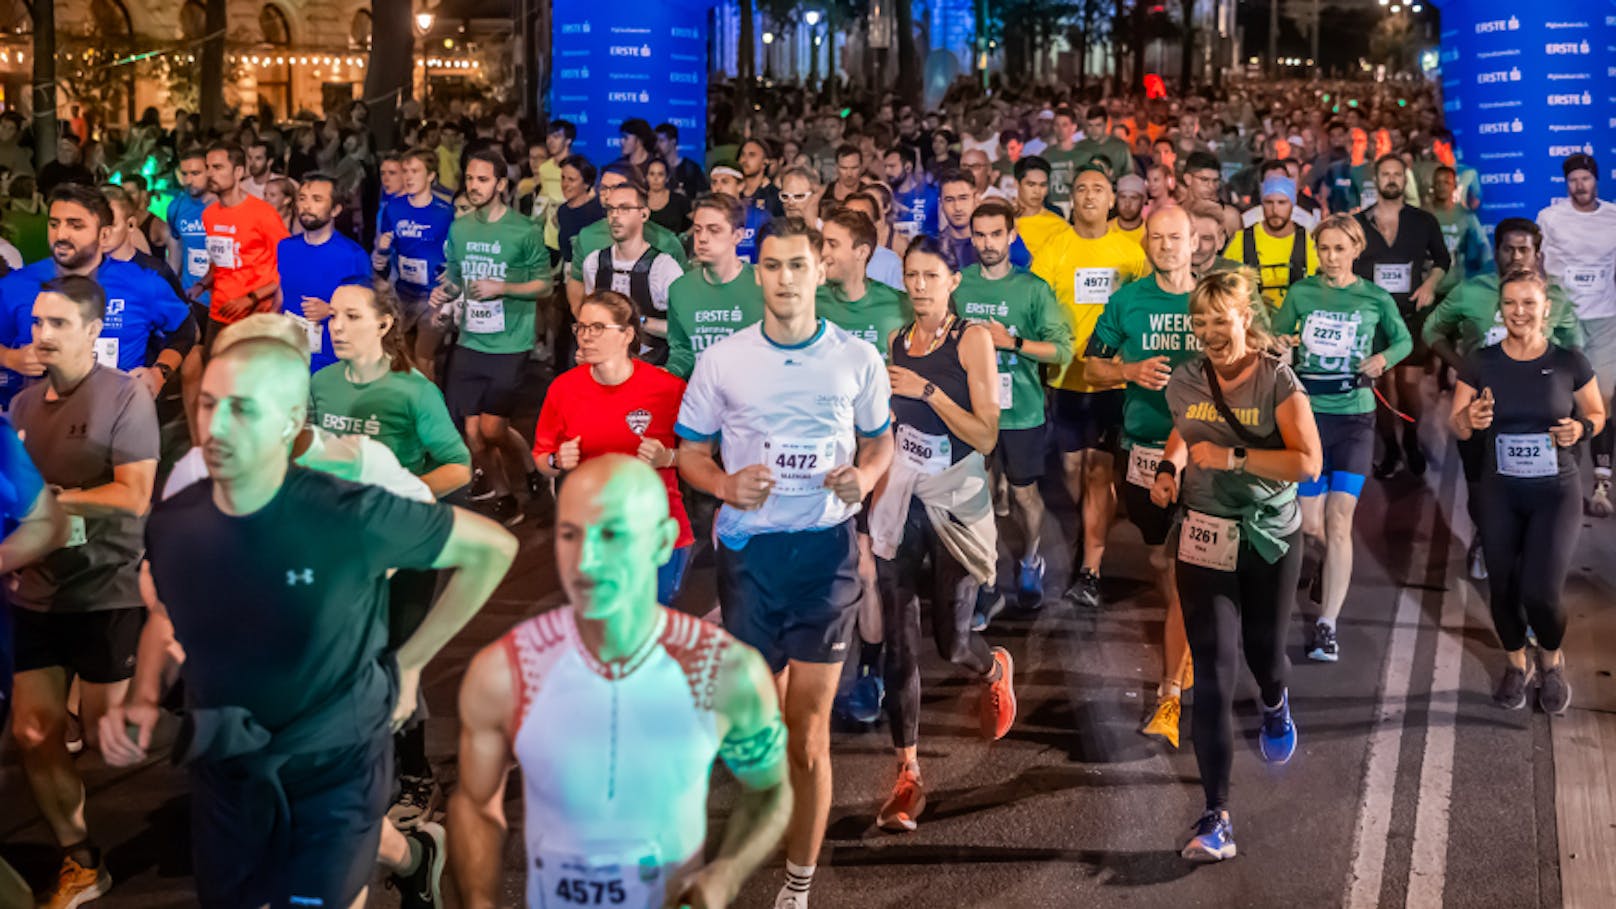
(1409, 787)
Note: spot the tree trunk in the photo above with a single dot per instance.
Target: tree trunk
(1186, 59)
(391, 70)
(1138, 41)
(908, 59)
(1118, 26)
(44, 96)
(746, 58)
(210, 90)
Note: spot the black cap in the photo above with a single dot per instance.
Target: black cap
(1580, 161)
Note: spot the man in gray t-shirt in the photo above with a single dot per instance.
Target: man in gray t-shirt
(92, 431)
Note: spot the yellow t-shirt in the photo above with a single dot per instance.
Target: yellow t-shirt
(1274, 260)
(1084, 274)
(1037, 230)
(1137, 235)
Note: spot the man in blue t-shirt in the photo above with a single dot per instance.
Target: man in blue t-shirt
(315, 263)
(188, 239)
(34, 526)
(916, 203)
(958, 201)
(414, 228)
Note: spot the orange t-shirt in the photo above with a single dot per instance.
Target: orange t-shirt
(241, 246)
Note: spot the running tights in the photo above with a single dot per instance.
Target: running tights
(1224, 610)
(952, 595)
(1529, 531)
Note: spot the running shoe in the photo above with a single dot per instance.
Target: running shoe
(1599, 503)
(423, 887)
(1511, 691)
(507, 511)
(1085, 591)
(862, 701)
(1415, 455)
(989, 603)
(1391, 464)
(418, 798)
(1324, 648)
(73, 731)
(1477, 560)
(1163, 723)
(77, 885)
(1553, 691)
(791, 899)
(996, 711)
(1031, 586)
(1213, 840)
(481, 489)
(1277, 739)
(903, 807)
(538, 485)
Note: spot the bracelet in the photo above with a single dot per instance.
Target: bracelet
(552, 461)
(1167, 467)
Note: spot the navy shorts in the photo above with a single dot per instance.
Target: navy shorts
(1086, 419)
(793, 596)
(1348, 440)
(1021, 454)
(1153, 521)
(98, 647)
(484, 383)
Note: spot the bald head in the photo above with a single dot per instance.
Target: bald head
(1170, 240)
(618, 481)
(613, 533)
(252, 403)
(269, 369)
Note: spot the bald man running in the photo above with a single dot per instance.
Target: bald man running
(288, 732)
(615, 707)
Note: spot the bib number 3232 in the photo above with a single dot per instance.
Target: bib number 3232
(1527, 455)
(1208, 541)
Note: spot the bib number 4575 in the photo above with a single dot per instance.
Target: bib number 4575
(576, 891)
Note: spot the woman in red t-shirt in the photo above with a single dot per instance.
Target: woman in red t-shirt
(612, 403)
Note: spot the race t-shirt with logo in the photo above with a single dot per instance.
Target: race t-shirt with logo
(1339, 328)
(141, 309)
(512, 250)
(310, 270)
(873, 317)
(402, 410)
(1085, 273)
(419, 233)
(1025, 305)
(1469, 317)
(1063, 164)
(1274, 259)
(1467, 246)
(798, 409)
(1579, 251)
(1529, 397)
(597, 236)
(1143, 321)
(185, 220)
(915, 211)
(701, 313)
(241, 248)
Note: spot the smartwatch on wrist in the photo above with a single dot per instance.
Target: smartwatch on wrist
(1239, 458)
(927, 392)
(1020, 341)
(552, 461)
(1587, 428)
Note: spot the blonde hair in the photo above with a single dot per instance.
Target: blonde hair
(1233, 292)
(270, 325)
(1347, 224)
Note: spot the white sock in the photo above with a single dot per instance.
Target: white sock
(1168, 690)
(798, 879)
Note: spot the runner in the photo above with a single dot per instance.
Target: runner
(124, 241)
(1064, 158)
(315, 263)
(799, 192)
(884, 266)
(1461, 231)
(866, 309)
(1130, 208)
(413, 230)
(849, 172)
(1203, 182)
(633, 267)
(1277, 247)
(936, 504)
(1085, 267)
(1210, 241)
(243, 232)
(93, 432)
(1406, 257)
(756, 190)
(288, 809)
(1036, 223)
(1141, 337)
(1579, 252)
(1468, 319)
(626, 828)
(720, 296)
(188, 239)
(497, 259)
(800, 409)
(725, 178)
(914, 199)
(958, 201)
(1238, 543)
(1347, 333)
(153, 229)
(1025, 323)
(1532, 402)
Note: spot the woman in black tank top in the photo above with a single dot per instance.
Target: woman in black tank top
(945, 411)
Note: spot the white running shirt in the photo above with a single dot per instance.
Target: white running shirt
(1579, 251)
(615, 758)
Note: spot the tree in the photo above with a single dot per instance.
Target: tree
(212, 82)
(1186, 59)
(908, 56)
(391, 69)
(746, 61)
(43, 14)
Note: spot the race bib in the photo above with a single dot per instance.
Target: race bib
(1142, 463)
(924, 453)
(222, 252)
(1094, 285)
(1370, 194)
(312, 330)
(76, 534)
(1327, 336)
(485, 317)
(907, 228)
(799, 465)
(1529, 454)
(1583, 279)
(1395, 277)
(1006, 390)
(1208, 541)
(196, 262)
(106, 352)
(627, 876)
(412, 271)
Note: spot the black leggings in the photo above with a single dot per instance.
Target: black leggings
(1529, 534)
(952, 593)
(1473, 458)
(1222, 611)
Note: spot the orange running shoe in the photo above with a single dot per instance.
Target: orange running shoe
(77, 885)
(997, 711)
(907, 801)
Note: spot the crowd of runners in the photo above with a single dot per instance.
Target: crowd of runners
(266, 440)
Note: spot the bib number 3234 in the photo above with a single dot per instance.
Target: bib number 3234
(1208, 541)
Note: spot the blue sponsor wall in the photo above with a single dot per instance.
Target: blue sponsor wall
(614, 61)
(1524, 86)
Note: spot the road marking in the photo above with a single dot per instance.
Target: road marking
(1386, 736)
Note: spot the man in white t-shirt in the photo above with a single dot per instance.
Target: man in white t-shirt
(1579, 252)
(633, 267)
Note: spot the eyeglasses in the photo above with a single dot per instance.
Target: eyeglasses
(795, 197)
(595, 329)
(623, 209)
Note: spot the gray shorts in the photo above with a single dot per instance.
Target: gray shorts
(1599, 345)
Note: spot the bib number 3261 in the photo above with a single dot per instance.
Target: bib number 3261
(1208, 541)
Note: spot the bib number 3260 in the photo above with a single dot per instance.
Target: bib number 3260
(1208, 541)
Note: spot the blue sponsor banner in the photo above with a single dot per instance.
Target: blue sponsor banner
(613, 62)
(1525, 86)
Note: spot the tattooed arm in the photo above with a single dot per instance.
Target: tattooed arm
(754, 749)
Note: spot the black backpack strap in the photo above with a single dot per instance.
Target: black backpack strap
(639, 280)
(1246, 435)
(1298, 255)
(1248, 249)
(603, 270)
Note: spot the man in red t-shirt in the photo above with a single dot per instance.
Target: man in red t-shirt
(243, 231)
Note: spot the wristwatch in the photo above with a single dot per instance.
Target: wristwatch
(1239, 458)
(1020, 341)
(552, 462)
(927, 392)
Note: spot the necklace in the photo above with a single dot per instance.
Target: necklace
(936, 339)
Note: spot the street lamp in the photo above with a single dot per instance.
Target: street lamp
(812, 17)
(424, 20)
(768, 58)
(423, 24)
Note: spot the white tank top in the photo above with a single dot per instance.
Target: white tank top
(615, 758)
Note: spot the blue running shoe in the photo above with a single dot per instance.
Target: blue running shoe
(989, 603)
(1278, 736)
(862, 702)
(1031, 587)
(1213, 840)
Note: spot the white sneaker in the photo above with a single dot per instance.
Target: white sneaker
(1599, 504)
(788, 899)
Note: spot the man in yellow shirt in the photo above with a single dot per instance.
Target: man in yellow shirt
(1130, 219)
(1085, 266)
(1281, 252)
(1036, 224)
